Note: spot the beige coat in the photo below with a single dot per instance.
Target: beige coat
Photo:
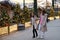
(43, 25)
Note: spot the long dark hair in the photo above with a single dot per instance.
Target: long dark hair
(43, 12)
(39, 9)
(31, 14)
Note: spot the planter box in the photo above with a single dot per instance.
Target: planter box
(27, 24)
(3, 30)
(51, 18)
(13, 28)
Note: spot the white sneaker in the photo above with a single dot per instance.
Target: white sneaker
(38, 37)
(42, 37)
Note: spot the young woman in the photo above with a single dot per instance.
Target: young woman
(42, 22)
(33, 20)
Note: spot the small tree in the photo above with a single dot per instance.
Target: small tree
(26, 14)
(51, 12)
(17, 11)
(4, 18)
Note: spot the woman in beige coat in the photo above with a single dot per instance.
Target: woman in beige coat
(42, 22)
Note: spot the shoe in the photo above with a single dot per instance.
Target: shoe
(33, 36)
(42, 37)
(36, 35)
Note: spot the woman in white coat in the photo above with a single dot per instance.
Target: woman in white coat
(34, 25)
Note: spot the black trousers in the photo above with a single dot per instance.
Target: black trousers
(35, 34)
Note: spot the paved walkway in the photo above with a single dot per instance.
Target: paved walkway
(53, 33)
